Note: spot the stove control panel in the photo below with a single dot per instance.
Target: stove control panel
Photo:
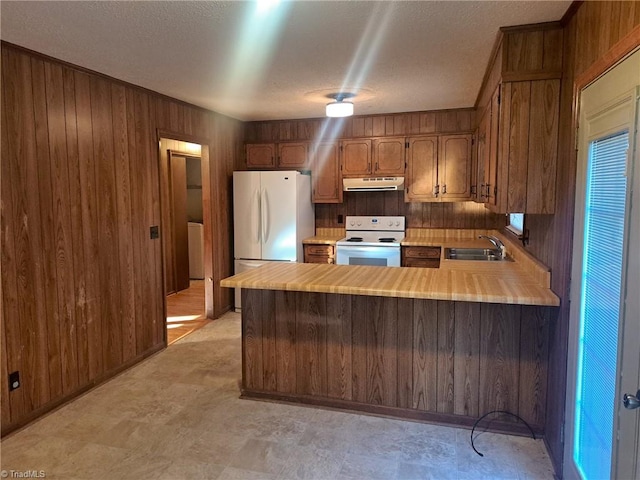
(386, 223)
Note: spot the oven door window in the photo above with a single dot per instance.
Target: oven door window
(376, 256)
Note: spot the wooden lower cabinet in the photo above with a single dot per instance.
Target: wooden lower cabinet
(426, 257)
(429, 360)
(319, 254)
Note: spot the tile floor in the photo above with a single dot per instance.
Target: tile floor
(177, 415)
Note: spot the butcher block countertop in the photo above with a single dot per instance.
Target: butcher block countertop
(455, 280)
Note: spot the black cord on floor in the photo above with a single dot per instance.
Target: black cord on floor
(497, 411)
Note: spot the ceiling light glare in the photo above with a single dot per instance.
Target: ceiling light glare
(339, 109)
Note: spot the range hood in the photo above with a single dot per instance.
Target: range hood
(374, 184)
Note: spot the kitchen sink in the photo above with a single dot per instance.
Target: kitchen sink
(485, 254)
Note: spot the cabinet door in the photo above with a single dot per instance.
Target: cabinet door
(454, 167)
(491, 160)
(325, 173)
(293, 156)
(261, 155)
(388, 155)
(482, 155)
(422, 170)
(356, 157)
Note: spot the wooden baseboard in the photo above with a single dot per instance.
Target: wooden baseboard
(59, 402)
(450, 420)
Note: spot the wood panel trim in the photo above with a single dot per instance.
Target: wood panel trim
(570, 13)
(532, 27)
(445, 419)
(621, 49)
(532, 75)
(487, 73)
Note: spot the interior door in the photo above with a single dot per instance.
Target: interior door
(180, 229)
(604, 351)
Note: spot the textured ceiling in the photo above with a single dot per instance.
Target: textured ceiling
(255, 63)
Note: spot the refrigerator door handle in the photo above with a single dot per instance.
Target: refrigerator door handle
(259, 208)
(265, 209)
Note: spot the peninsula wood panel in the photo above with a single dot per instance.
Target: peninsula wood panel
(339, 340)
(82, 292)
(425, 359)
(311, 343)
(285, 338)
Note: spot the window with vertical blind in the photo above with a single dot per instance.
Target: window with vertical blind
(600, 304)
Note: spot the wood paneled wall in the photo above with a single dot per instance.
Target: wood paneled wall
(412, 123)
(419, 215)
(82, 292)
(424, 359)
(589, 33)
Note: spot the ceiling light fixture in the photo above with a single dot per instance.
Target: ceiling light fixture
(340, 108)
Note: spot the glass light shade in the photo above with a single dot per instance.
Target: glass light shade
(339, 109)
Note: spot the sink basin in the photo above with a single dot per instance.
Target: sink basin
(483, 254)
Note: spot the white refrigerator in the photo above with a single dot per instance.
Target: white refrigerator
(272, 214)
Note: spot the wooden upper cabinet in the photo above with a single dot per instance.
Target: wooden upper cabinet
(288, 156)
(293, 156)
(487, 151)
(388, 156)
(482, 153)
(356, 157)
(522, 96)
(422, 169)
(454, 167)
(261, 155)
(325, 176)
(491, 160)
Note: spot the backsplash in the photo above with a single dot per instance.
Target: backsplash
(418, 215)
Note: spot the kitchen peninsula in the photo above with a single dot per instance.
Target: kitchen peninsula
(444, 345)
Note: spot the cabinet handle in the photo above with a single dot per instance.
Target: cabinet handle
(488, 191)
(482, 190)
(444, 189)
(436, 190)
(474, 190)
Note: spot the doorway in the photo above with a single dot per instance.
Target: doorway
(183, 236)
(602, 438)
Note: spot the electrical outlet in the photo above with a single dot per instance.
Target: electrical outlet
(14, 380)
(154, 232)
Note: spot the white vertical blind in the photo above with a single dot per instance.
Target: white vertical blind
(600, 304)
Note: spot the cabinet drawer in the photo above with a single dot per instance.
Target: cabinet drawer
(422, 252)
(318, 259)
(422, 262)
(318, 250)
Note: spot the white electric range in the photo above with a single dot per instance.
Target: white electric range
(371, 241)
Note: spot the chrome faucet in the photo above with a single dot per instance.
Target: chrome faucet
(497, 243)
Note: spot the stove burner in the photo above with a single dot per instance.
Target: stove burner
(354, 239)
(386, 239)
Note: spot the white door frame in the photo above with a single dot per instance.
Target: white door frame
(628, 350)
